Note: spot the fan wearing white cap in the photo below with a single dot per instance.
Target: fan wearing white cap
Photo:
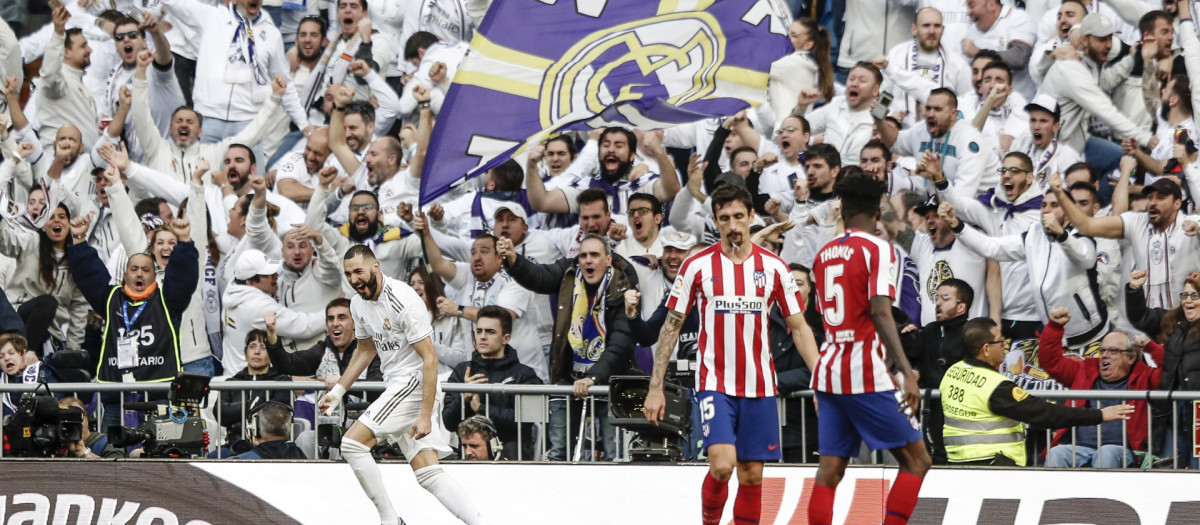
(247, 301)
(1081, 89)
(1042, 146)
(651, 295)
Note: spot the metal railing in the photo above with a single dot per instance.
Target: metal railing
(531, 405)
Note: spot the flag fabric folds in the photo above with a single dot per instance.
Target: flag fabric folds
(537, 68)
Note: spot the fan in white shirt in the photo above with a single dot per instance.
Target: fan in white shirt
(1006, 30)
(1041, 145)
(1000, 116)
(964, 160)
(913, 69)
(846, 122)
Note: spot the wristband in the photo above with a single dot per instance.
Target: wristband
(278, 99)
(959, 229)
(423, 105)
(1182, 20)
(1062, 237)
(335, 108)
(335, 396)
(461, 309)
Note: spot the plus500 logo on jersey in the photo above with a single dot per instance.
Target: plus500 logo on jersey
(739, 304)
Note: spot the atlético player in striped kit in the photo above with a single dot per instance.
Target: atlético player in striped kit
(734, 284)
(855, 277)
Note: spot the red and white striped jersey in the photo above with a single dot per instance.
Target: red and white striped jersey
(847, 273)
(735, 301)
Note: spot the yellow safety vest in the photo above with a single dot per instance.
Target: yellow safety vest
(972, 432)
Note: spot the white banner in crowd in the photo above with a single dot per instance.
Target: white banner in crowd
(200, 493)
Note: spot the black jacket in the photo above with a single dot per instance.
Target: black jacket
(559, 278)
(1181, 358)
(501, 408)
(934, 348)
(232, 401)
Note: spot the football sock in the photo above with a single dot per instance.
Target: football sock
(747, 506)
(452, 496)
(902, 499)
(359, 457)
(712, 499)
(820, 505)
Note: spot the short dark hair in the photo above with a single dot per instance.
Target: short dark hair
(740, 150)
(363, 3)
(508, 176)
(275, 418)
(126, 20)
(362, 109)
(988, 54)
(998, 64)
(860, 192)
(199, 117)
(963, 290)
(1182, 88)
(486, 237)
(591, 195)
(249, 152)
(629, 135)
(498, 313)
(339, 302)
(320, 20)
(367, 193)
(148, 206)
(947, 92)
(255, 335)
(879, 145)
(804, 126)
(1026, 163)
(730, 193)
(570, 144)
(359, 250)
(655, 205)
(825, 152)
(976, 333)
(418, 41)
(69, 37)
(1146, 22)
(1084, 186)
(1092, 176)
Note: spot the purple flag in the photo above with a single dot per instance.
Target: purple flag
(537, 68)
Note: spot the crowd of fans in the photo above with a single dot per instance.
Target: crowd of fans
(181, 180)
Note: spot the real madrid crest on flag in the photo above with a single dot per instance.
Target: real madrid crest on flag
(537, 68)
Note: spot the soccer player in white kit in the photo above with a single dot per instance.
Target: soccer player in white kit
(390, 320)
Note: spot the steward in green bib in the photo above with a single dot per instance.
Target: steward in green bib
(140, 336)
(986, 412)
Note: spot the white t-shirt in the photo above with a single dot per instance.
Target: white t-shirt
(935, 266)
(846, 130)
(1013, 25)
(394, 322)
(503, 291)
(966, 160)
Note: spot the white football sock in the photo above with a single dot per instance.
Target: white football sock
(367, 472)
(452, 496)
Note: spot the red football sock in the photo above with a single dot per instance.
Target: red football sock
(712, 499)
(747, 506)
(820, 505)
(902, 499)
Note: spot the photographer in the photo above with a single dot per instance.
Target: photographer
(94, 445)
(140, 342)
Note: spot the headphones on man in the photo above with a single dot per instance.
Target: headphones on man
(254, 424)
(494, 445)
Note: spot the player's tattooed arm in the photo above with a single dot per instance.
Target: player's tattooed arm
(668, 337)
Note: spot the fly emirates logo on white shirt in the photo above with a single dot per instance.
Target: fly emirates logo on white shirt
(739, 304)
